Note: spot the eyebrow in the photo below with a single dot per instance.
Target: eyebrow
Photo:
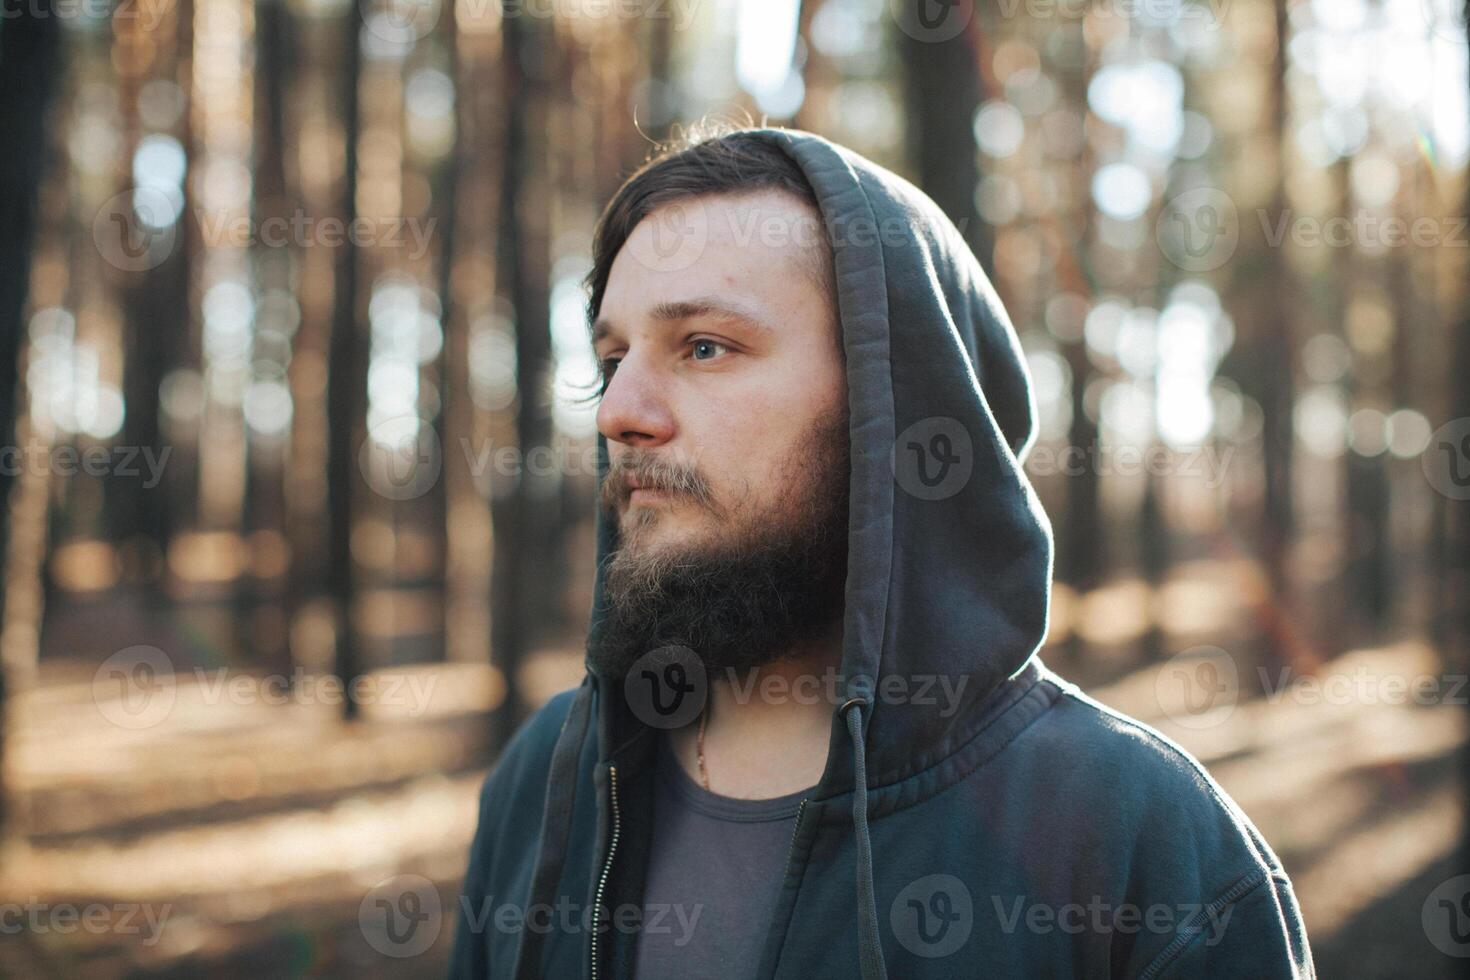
(703, 306)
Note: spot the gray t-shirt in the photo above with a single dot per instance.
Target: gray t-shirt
(714, 871)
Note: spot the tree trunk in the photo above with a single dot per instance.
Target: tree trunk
(28, 64)
(942, 87)
(446, 204)
(1457, 549)
(1273, 371)
(345, 381)
(522, 272)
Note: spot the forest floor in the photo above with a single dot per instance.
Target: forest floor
(231, 836)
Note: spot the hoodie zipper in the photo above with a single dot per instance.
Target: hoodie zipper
(795, 833)
(612, 849)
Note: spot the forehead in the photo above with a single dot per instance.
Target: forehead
(768, 247)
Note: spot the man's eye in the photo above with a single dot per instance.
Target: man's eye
(607, 366)
(707, 345)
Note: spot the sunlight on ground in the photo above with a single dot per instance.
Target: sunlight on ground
(232, 808)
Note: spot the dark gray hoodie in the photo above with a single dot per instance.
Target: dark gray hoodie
(1019, 829)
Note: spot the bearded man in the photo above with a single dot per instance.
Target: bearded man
(815, 738)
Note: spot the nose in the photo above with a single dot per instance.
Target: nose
(633, 410)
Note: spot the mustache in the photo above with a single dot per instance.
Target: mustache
(652, 472)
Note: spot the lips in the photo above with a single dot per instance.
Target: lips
(638, 490)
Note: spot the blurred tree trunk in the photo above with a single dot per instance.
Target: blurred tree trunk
(155, 331)
(29, 61)
(345, 396)
(1273, 368)
(1153, 558)
(522, 274)
(942, 89)
(1369, 555)
(264, 607)
(446, 205)
(1457, 548)
(155, 325)
(662, 102)
(1082, 550)
(156, 310)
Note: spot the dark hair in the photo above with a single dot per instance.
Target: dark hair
(734, 162)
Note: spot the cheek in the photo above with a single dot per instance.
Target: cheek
(754, 448)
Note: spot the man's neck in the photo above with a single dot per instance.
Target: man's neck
(767, 730)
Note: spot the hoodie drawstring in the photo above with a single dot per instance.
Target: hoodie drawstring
(870, 951)
(561, 795)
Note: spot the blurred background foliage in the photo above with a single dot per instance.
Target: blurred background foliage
(295, 362)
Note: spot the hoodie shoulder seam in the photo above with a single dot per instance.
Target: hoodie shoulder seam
(1162, 742)
(1026, 707)
(1194, 927)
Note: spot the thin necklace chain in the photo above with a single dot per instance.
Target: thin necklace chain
(699, 744)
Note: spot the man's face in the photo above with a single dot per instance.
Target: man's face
(718, 372)
(726, 422)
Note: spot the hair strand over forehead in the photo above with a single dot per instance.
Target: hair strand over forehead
(731, 163)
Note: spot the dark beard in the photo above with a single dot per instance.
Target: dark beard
(740, 603)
